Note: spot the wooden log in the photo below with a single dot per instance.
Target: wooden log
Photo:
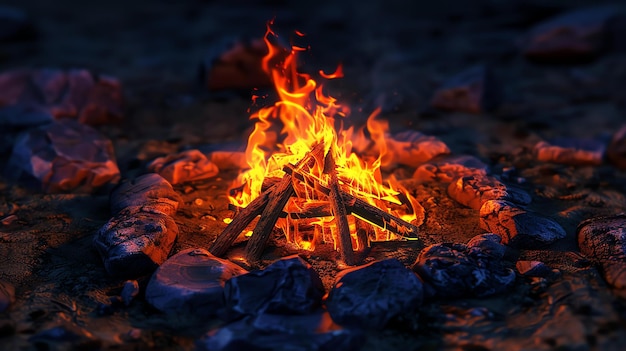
(340, 214)
(244, 216)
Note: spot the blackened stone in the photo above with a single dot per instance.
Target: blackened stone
(7, 295)
(287, 286)
(135, 242)
(454, 270)
(473, 90)
(183, 167)
(533, 269)
(574, 36)
(371, 295)
(489, 243)
(517, 226)
(616, 151)
(311, 332)
(64, 156)
(603, 238)
(149, 191)
(448, 168)
(574, 152)
(130, 290)
(412, 148)
(473, 191)
(191, 283)
(15, 25)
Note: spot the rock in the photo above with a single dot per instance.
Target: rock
(518, 227)
(447, 168)
(412, 148)
(135, 242)
(603, 238)
(473, 191)
(370, 296)
(533, 269)
(574, 36)
(287, 286)
(227, 155)
(7, 295)
(191, 283)
(65, 335)
(614, 273)
(38, 96)
(473, 90)
(311, 332)
(130, 290)
(489, 244)
(455, 270)
(183, 167)
(64, 156)
(149, 191)
(564, 330)
(616, 151)
(15, 25)
(574, 152)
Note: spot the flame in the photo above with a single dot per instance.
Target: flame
(302, 117)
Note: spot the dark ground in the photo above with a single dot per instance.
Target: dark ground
(395, 55)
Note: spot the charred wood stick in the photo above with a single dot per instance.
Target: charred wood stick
(340, 213)
(245, 215)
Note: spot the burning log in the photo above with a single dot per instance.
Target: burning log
(339, 211)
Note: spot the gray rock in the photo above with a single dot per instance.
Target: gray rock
(311, 332)
(518, 227)
(473, 90)
(191, 283)
(135, 242)
(533, 269)
(185, 166)
(489, 243)
(7, 295)
(371, 295)
(130, 290)
(603, 238)
(616, 151)
(149, 191)
(447, 168)
(473, 191)
(574, 152)
(287, 286)
(64, 156)
(455, 270)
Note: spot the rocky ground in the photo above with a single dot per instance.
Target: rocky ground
(545, 124)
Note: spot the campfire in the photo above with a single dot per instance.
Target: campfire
(305, 175)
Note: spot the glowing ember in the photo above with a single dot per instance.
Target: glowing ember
(305, 116)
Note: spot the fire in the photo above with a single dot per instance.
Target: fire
(302, 117)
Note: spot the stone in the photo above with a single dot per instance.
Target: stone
(575, 36)
(614, 273)
(473, 191)
(533, 269)
(65, 335)
(186, 166)
(135, 242)
(603, 238)
(573, 152)
(370, 296)
(7, 295)
(616, 151)
(473, 90)
(130, 290)
(310, 332)
(455, 270)
(447, 168)
(287, 286)
(488, 243)
(64, 156)
(149, 191)
(226, 155)
(519, 227)
(412, 148)
(191, 283)
(15, 25)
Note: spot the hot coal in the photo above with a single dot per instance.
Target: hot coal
(130, 290)
(616, 151)
(64, 156)
(448, 168)
(191, 283)
(15, 25)
(456, 270)
(533, 269)
(371, 295)
(149, 191)
(412, 148)
(473, 90)
(517, 226)
(265, 332)
(7, 295)
(474, 190)
(135, 242)
(287, 286)
(603, 238)
(183, 167)
(575, 152)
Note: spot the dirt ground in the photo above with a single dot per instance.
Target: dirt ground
(395, 55)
